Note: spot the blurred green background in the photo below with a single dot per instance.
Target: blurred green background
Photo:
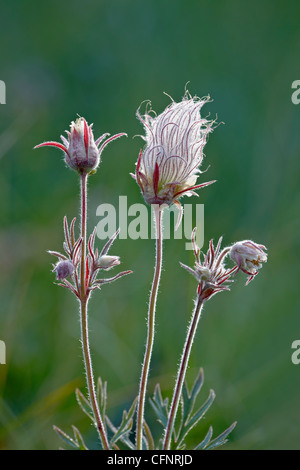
(101, 59)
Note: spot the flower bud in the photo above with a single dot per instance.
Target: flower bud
(248, 256)
(64, 269)
(82, 152)
(203, 273)
(107, 261)
(210, 272)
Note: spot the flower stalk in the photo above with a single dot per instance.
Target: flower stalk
(84, 297)
(212, 277)
(167, 169)
(182, 372)
(158, 211)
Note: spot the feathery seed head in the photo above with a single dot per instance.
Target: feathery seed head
(168, 167)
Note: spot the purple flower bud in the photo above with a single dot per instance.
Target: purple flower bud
(64, 269)
(82, 152)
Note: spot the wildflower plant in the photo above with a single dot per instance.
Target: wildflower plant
(167, 168)
(79, 268)
(212, 277)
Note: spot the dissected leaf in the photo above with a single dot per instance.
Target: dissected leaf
(206, 440)
(77, 442)
(84, 404)
(160, 406)
(65, 437)
(123, 438)
(126, 424)
(102, 396)
(79, 439)
(188, 398)
(195, 418)
(222, 438)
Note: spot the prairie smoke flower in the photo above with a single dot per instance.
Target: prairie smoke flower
(82, 152)
(249, 257)
(168, 167)
(209, 270)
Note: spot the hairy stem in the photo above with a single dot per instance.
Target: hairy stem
(182, 372)
(83, 187)
(84, 321)
(150, 328)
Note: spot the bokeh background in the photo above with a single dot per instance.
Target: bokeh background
(101, 59)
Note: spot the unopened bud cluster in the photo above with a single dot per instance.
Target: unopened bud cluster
(210, 271)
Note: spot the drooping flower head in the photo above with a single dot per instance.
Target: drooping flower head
(168, 167)
(210, 270)
(249, 257)
(82, 152)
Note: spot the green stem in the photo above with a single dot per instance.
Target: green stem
(182, 372)
(84, 321)
(150, 328)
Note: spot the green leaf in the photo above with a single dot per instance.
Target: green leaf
(65, 437)
(79, 439)
(149, 437)
(101, 393)
(195, 418)
(77, 442)
(84, 404)
(126, 424)
(206, 440)
(189, 398)
(160, 406)
(222, 438)
(102, 397)
(123, 438)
